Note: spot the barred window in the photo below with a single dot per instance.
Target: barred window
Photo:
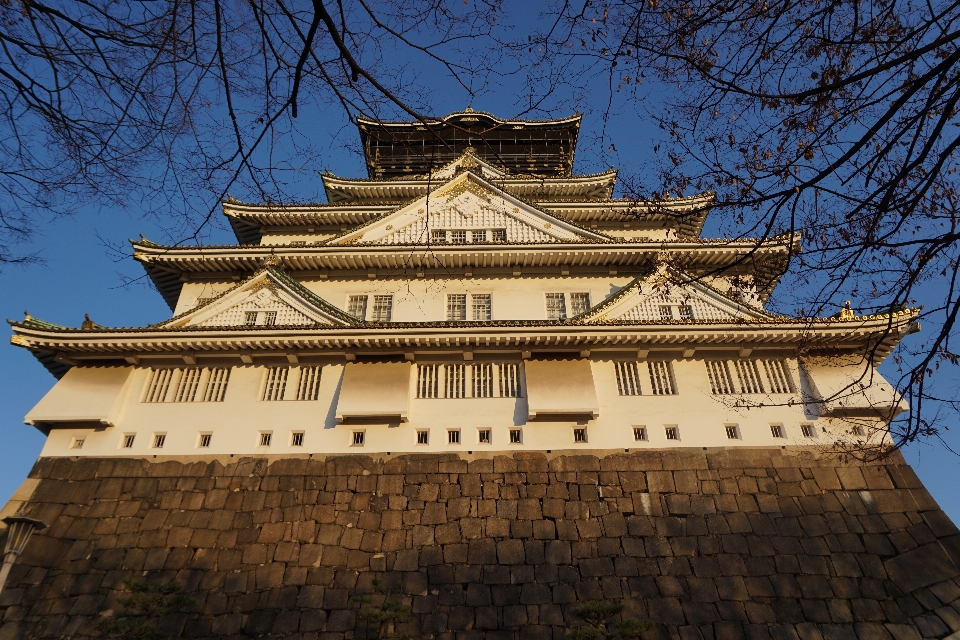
(275, 383)
(481, 307)
(672, 433)
(428, 381)
(250, 318)
(357, 306)
(808, 431)
(733, 433)
(187, 385)
(309, 386)
(296, 439)
(266, 437)
(510, 380)
(482, 380)
(498, 235)
(858, 431)
(639, 433)
(628, 378)
(423, 436)
(453, 436)
(777, 376)
(159, 439)
(749, 376)
(216, 386)
(579, 434)
(661, 378)
(205, 439)
(666, 312)
(483, 436)
(456, 306)
(776, 430)
(516, 436)
(438, 236)
(458, 236)
(479, 235)
(556, 307)
(270, 318)
(474, 380)
(686, 312)
(579, 303)
(719, 373)
(158, 385)
(358, 438)
(456, 386)
(128, 440)
(382, 308)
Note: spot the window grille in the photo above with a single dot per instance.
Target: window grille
(309, 386)
(158, 385)
(128, 441)
(732, 433)
(509, 380)
(777, 376)
(776, 430)
(358, 438)
(628, 378)
(357, 307)
(76, 443)
(456, 306)
(205, 439)
(579, 434)
(453, 436)
(672, 433)
(752, 376)
(516, 436)
(661, 378)
(666, 312)
(482, 380)
(202, 301)
(216, 385)
(498, 235)
(275, 383)
(686, 312)
(719, 373)
(579, 303)
(808, 431)
(639, 433)
(296, 439)
(483, 436)
(456, 386)
(187, 385)
(428, 381)
(159, 439)
(270, 318)
(458, 236)
(250, 318)
(857, 431)
(481, 306)
(423, 437)
(556, 307)
(479, 235)
(749, 374)
(265, 438)
(382, 308)
(438, 236)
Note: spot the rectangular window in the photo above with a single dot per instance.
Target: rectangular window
(128, 440)
(509, 380)
(296, 439)
(498, 235)
(423, 437)
(357, 306)
(483, 436)
(76, 443)
(216, 385)
(250, 318)
(382, 308)
(719, 373)
(556, 307)
(458, 236)
(749, 374)
(270, 318)
(473, 380)
(275, 383)
(438, 236)
(666, 312)
(857, 431)
(479, 235)
(777, 376)
(205, 439)
(456, 381)
(808, 431)
(672, 433)
(579, 434)
(628, 378)
(428, 381)
(686, 312)
(159, 439)
(579, 303)
(453, 436)
(639, 433)
(358, 438)
(187, 385)
(661, 378)
(516, 436)
(480, 307)
(456, 306)
(482, 374)
(309, 386)
(265, 438)
(733, 433)
(776, 430)
(158, 385)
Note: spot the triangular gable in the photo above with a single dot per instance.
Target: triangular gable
(666, 295)
(469, 203)
(469, 160)
(274, 298)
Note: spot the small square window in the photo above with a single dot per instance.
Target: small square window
(858, 431)
(733, 433)
(250, 318)
(159, 439)
(438, 236)
(265, 438)
(483, 436)
(357, 306)
(808, 431)
(686, 312)
(458, 236)
(666, 312)
(270, 318)
(76, 443)
(358, 437)
(516, 436)
(423, 437)
(776, 430)
(672, 433)
(296, 439)
(205, 440)
(498, 235)
(128, 440)
(579, 434)
(639, 433)
(453, 436)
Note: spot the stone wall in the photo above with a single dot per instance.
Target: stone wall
(758, 543)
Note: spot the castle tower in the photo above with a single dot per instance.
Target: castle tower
(481, 374)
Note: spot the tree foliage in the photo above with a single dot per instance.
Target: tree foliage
(596, 623)
(381, 613)
(147, 603)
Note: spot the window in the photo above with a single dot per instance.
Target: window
(458, 236)
(749, 376)
(509, 380)
(204, 440)
(481, 308)
(76, 443)
(358, 438)
(296, 439)
(250, 318)
(482, 380)
(456, 306)
(579, 303)
(777, 376)
(275, 383)
(628, 378)
(265, 438)
(308, 387)
(556, 307)
(423, 436)
(672, 433)
(479, 235)
(579, 434)
(427, 381)
(686, 312)
(857, 431)
(159, 439)
(498, 235)
(270, 318)
(453, 436)
(128, 440)
(733, 433)
(666, 312)
(456, 381)
(719, 374)
(438, 236)
(474, 380)
(483, 436)
(216, 386)
(158, 385)
(808, 431)
(382, 308)
(661, 378)
(357, 306)
(639, 433)
(776, 430)
(516, 436)
(187, 385)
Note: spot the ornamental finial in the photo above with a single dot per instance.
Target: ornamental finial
(87, 322)
(26, 315)
(469, 109)
(271, 261)
(846, 313)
